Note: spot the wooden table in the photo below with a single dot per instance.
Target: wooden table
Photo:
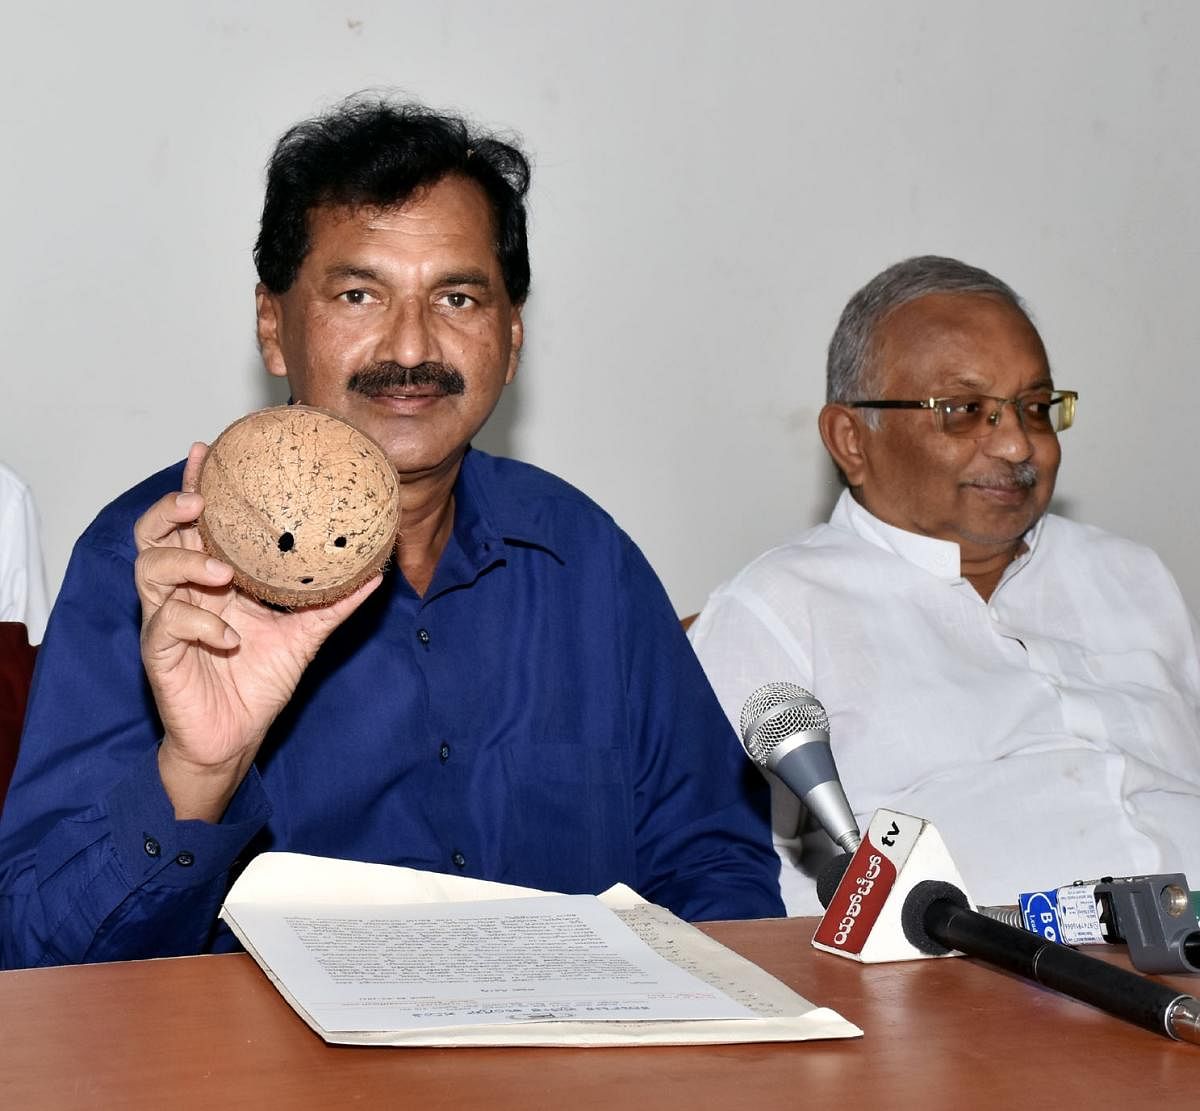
(211, 1032)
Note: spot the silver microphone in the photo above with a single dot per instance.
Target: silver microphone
(785, 730)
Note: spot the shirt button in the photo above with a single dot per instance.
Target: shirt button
(444, 752)
(152, 847)
(458, 860)
(185, 859)
(423, 636)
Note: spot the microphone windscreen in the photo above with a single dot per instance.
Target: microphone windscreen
(775, 712)
(830, 876)
(916, 907)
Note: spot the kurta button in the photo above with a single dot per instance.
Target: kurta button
(444, 752)
(459, 860)
(423, 636)
(152, 847)
(185, 859)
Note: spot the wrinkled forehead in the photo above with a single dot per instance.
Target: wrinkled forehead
(974, 341)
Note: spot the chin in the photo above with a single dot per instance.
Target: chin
(999, 537)
(409, 459)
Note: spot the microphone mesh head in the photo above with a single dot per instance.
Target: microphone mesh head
(775, 712)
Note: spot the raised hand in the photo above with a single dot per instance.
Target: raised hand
(221, 665)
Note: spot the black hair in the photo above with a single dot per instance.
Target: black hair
(368, 151)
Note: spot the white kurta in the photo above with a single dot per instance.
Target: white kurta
(1051, 734)
(23, 594)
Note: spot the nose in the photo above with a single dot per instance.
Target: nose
(1007, 438)
(408, 338)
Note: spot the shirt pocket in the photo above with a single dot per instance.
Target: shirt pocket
(1138, 668)
(568, 813)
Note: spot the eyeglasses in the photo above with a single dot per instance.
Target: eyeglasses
(976, 415)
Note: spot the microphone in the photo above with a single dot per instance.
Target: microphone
(901, 898)
(1151, 915)
(936, 919)
(785, 730)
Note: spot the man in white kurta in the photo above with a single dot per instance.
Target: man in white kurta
(22, 576)
(1050, 734)
(1029, 684)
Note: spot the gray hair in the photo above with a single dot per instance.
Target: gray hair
(850, 369)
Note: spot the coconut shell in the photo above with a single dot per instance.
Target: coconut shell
(304, 507)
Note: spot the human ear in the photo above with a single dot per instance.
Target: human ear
(844, 434)
(518, 338)
(266, 306)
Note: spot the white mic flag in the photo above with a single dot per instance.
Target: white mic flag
(863, 919)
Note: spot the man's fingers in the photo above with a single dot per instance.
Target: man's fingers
(337, 612)
(177, 622)
(160, 571)
(164, 517)
(191, 469)
(318, 622)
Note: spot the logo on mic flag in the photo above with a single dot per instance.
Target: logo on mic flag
(864, 889)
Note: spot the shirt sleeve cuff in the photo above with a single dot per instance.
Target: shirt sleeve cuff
(151, 845)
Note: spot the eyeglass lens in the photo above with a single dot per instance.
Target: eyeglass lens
(977, 415)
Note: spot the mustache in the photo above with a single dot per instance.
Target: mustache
(1011, 476)
(387, 377)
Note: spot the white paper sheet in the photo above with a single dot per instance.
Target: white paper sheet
(371, 954)
(464, 964)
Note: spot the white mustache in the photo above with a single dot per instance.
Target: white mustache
(1018, 476)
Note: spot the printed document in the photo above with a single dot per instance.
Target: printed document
(371, 954)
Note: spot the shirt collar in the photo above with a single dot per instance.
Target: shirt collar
(487, 517)
(941, 558)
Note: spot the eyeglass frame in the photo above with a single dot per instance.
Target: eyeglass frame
(1067, 398)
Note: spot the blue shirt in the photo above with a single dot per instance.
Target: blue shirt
(537, 718)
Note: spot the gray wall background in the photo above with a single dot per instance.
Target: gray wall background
(712, 181)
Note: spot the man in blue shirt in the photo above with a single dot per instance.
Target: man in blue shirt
(514, 700)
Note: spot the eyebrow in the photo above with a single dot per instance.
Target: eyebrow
(363, 273)
(466, 277)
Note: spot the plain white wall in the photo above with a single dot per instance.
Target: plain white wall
(712, 181)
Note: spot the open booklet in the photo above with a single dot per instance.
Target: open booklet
(369, 954)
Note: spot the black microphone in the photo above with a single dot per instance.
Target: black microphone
(900, 899)
(937, 918)
(785, 730)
